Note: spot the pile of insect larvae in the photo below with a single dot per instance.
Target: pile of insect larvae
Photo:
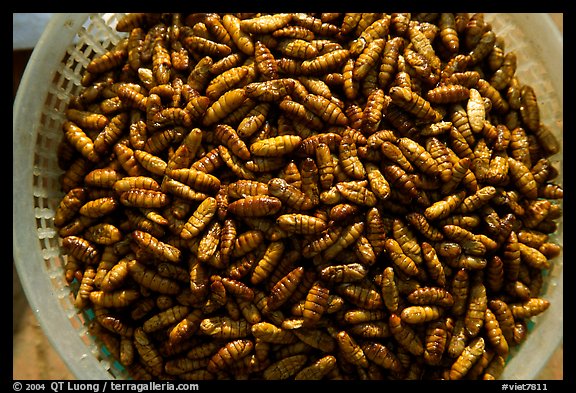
(308, 196)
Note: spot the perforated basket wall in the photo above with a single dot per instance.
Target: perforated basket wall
(54, 75)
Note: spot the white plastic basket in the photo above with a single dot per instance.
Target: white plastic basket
(53, 76)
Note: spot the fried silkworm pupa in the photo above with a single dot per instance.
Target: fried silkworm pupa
(317, 370)
(529, 109)
(301, 224)
(357, 193)
(289, 194)
(103, 233)
(523, 178)
(399, 258)
(444, 207)
(448, 34)
(382, 356)
(148, 352)
(368, 58)
(265, 61)
(243, 188)
(253, 120)
(201, 45)
(389, 289)
(268, 262)
(109, 60)
(547, 139)
(299, 113)
(274, 90)
(356, 315)
(247, 241)
(238, 289)
(144, 198)
(326, 165)
(327, 62)
(270, 333)
(229, 138)
(206, 251)
(529, 308)
(102, 177)
(494, 333)
(423, 45)
(448, 94)
(223, 327)
(476, 111)
(196, 179)
(316, 338)
(241, 39)
(285, 368)
(325, 109)
(165, 318)
(200, 218)
(234, 163)
(255, 206)
(226, 104)
(308, 146)
(127, 160)
(495, 368)
(70, 205)
(309, 180)
(152, 246)
(276, 146)
(389, 62)
(350, 86)
(398, 177)
(434, 266)
(87, 285)
(115, 299)
(151, 279)
(477, 200)
(315, 305)
(460, 290)
(431, 296)
(364, 251)
(467, 358)
(323, 242)
(350, 272)
(230, 353)
(347, 237)
(285, 288)
(420, 223)
(476, 309)
(80, 141)
(362, 294)
(110, 133)
(225, 81)
(150, 162)
(414, 104)
(161, 61)
(349, 160)
(265, 24)
(435, 342)
(81, 249)
(420, 314)
(350, 350)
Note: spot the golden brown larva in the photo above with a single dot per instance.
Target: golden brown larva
(327, 196)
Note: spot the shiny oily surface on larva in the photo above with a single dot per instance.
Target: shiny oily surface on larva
(416, 209)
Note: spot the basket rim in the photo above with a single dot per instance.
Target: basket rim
(38, 289)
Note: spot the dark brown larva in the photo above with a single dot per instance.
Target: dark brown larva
(308, 196)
